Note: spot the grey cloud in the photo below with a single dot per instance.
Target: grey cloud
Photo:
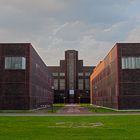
(96, 11)
(52, 26)
(35, 5)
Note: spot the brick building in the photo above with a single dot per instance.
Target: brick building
(71, 79)
(25, 82)
(115, 82)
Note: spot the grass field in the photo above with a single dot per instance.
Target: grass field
(57, 107)
(100, 109)
(70, 128)
(97, 109)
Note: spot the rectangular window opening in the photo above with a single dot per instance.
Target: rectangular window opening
(15, 63)
(130, 62)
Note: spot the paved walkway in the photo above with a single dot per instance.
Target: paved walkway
(74, 109)
(71, 110)
(68, 114)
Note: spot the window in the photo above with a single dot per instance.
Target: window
(87, 84)
(87, 74)
(71, 66)
(80, 74)
(137, 62)
(55, 74)
(62, 84)
(15, 63)
(131, 63)
(56, 84)
(62, 74)
(80, 84)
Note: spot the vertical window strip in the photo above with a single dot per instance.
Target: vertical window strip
(123, 63)
(130, 62)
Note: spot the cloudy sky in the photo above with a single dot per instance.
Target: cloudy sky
(52, 26)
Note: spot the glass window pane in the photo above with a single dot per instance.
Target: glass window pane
(23, 63)
(130, 62)
(80, 74)
(62, 84)
(87, 87)
(62, 74)
(123, 63)
(87, 74)
(56, 84)
(137, 62)
(133, 63)
(127, 62)
(15, 62)
(55, 74)
(80, 84)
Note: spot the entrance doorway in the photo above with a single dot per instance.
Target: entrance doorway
(71, 96)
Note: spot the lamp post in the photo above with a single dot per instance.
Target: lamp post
(61, 97)
(64, 99)
(52, 87)
(53, 94)
(93, 92)
(79, 99)
(53, 97)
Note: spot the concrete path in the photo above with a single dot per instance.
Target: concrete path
(71, 110)
(69, 114)
(74, 109)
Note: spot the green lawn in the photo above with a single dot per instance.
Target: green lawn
(70, 128)
(56, 107)
(97, 109)
(100, 110)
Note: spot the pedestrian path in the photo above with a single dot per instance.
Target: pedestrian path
(73, 109)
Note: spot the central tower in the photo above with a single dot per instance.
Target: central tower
(71, 79)
(71, 57)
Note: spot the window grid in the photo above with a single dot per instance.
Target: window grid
(80, 74)
(56, 84)
(15, 63)
(130, 62)
(55, 74)
(62, 84)
(62, 74)
(80, 84)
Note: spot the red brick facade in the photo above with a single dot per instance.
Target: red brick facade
(115, 82)
(27, 88)
(75, 79)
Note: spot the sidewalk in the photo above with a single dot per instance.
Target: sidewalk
(74, 109)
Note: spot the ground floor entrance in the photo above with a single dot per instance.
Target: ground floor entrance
(71, 96)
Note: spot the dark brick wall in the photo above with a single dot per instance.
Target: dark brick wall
(124, 84)
(104, 81)
(24, 89)
(13, 83)
(60, 94)
(41, 92)
(129, 78)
